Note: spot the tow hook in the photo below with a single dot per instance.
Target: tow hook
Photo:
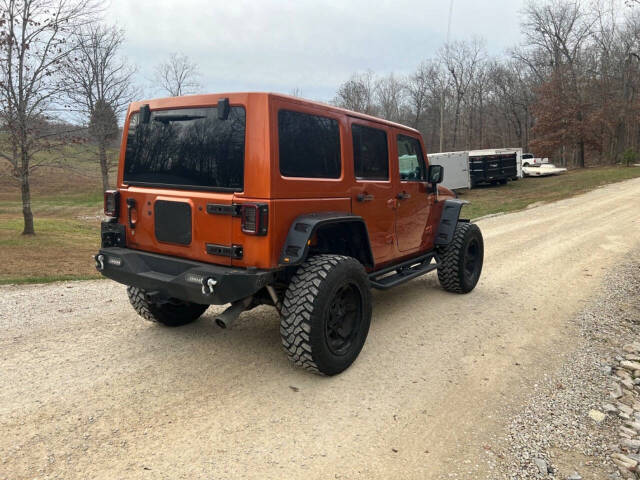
(99, 261)
(207, 285)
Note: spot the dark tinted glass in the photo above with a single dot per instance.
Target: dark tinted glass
(410, 160)
(187, 147)
(370, 153)
(309, 145)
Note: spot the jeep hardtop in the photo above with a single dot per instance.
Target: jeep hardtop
(258, 198)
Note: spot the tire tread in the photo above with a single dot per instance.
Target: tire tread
(157, 314)
(298, 308)
(450, 272)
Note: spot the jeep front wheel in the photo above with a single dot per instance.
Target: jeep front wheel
(173, 313)
(326, 313)
(460, 262)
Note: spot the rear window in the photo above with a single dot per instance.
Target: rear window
(309, 145)
(370, 153)
(187, 147)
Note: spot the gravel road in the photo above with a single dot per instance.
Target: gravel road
(89, 390)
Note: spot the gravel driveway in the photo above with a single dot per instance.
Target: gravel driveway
(89, 390)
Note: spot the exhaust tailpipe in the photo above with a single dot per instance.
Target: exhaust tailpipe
(226, 318)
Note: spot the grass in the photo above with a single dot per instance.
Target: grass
(486, 200)
(68, 205)
(60, 250)
(50, 279)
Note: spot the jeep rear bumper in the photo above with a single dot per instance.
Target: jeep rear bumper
(180, 278)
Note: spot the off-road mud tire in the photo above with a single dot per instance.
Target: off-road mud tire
(307, 322)
(169, 314)
(453, 272)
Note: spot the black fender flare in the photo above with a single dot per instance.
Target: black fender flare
(449, 220)
(296, 245)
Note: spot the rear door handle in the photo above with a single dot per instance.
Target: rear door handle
(365, 197)
(403, 196)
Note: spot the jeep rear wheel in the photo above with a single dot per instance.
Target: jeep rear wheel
(173, 313)
(460, 262)
(326, 314)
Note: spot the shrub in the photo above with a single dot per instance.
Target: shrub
(629, 156)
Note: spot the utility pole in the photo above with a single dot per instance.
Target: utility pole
(443, 86)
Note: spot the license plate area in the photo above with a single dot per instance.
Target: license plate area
(172, 222)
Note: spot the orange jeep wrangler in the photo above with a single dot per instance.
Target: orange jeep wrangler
(259, 198)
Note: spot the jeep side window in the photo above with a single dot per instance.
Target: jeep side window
(309, 145)
(410, 160)
(370, 153)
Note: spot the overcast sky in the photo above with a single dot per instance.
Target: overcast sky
(270, 45)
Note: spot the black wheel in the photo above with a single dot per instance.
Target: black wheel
(171, 314)
(503, 181)
(326, 314)
(461, 261)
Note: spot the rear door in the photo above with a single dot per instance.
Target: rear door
(414, 203)
(181, 171)
(193, 225)
(374, 191)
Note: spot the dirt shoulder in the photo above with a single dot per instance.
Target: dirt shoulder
(582, 420)
(88, 390)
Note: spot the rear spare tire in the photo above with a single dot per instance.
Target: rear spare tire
(326, 313)
(460, 262)
(172, 314)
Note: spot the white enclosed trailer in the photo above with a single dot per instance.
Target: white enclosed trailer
(456, 168)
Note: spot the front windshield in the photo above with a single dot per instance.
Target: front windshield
(187, 147)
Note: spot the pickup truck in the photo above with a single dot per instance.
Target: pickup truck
(528, 159)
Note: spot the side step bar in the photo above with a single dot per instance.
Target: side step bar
(405, 271)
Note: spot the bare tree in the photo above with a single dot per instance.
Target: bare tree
(357, 93)
(571, 88)
(462, 60)
(100, 85)
(296, 92)
(178, 75)
(512, 96)
(33, 46)
(422, 86)
(560, 30)
(389, 93)
(616, 59)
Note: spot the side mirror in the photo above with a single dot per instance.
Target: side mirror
(145, 113)
(435, 174)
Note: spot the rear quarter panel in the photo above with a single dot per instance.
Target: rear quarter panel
(264, 252)
(290, 197)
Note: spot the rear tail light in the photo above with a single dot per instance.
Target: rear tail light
(111, 203)
(255, 219)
